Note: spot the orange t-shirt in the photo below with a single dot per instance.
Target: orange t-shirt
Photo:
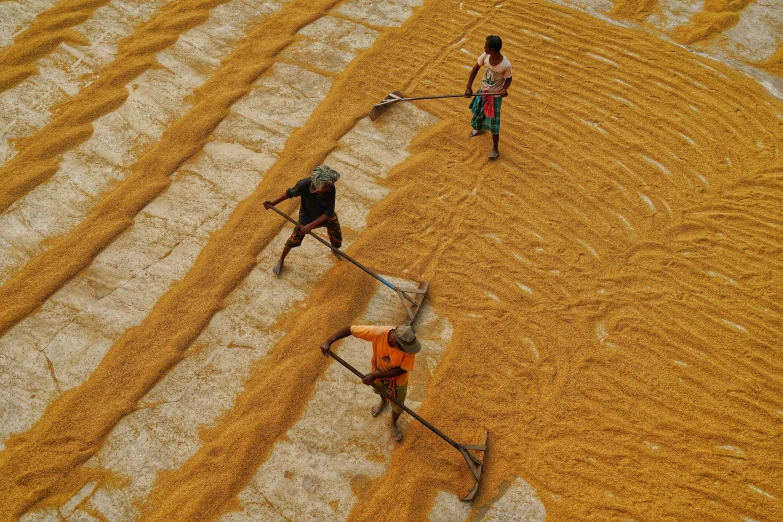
(384, 356)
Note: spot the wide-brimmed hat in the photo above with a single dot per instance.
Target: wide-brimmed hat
(406, 338)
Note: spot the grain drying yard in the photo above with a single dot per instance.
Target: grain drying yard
(604, 299)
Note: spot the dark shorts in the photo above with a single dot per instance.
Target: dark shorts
(332, 227)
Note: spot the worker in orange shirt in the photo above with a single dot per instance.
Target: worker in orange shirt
(393, 356)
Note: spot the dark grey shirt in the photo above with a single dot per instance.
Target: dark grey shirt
(313, 205)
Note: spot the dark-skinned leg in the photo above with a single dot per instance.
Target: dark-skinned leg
(396, 433)
(279, 266)
(495, 140)
(294, 241)
(377, 410)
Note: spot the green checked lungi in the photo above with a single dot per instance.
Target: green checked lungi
(481, 121)
(398, 392)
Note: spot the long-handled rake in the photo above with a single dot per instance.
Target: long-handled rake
(412, 305)
(475, 464)
(397, 96)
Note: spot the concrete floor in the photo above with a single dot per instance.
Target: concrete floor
(308, 476)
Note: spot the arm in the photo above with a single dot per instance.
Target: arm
(315, 224)
(372, 377)
(473, 73)
(339, 334)
(268, 204)
(506, 85)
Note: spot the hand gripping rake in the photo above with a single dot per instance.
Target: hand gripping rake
(411, 304)
(474, 463)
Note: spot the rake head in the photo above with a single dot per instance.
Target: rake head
(475, 464)
(381, 107)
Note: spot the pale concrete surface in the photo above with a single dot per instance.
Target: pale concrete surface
(59, 346)
(156, 98)
(80, 322)
(594, 7)
(305, 478)
(16, 16)
(311, 473)
(387, 13)
(447, 507)
(757, 35)
(672, 13)
(164, 433)
(69, 68)
(518, 503)
(329, 44)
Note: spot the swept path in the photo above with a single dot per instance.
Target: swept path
(516, 500)
(17, 15)
(38, 155)
(46, 273)
(64, 71)
(49, 29)
(19, 458)
(364, 157)
(156, 98)
(336, 447)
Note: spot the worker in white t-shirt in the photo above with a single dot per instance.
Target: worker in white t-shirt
(497, 79)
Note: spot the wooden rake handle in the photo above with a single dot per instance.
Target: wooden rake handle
(475, 464)
(352, 260)
(383, 392)
(395, 99)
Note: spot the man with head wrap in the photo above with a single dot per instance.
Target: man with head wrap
(317, 194)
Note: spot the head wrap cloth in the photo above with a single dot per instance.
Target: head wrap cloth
(322, 175)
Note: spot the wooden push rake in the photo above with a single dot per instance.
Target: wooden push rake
(475, 464)
(412, 305)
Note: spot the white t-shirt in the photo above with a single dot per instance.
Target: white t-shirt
(495, 75)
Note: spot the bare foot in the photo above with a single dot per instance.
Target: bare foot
(396, 433)
(493, 155)
(474, 133)
(278, 268)
(377, 410)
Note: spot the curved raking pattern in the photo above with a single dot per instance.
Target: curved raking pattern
(603, 297)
